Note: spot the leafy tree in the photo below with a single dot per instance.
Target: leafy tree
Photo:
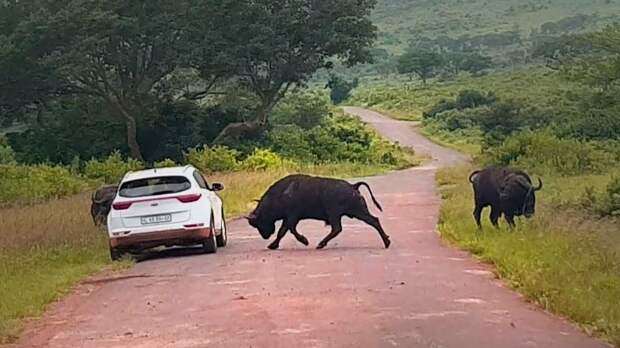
(276, 45)
(117, 51)
(420, 62)
(340, 88)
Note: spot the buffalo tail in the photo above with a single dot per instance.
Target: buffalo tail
(374, 200)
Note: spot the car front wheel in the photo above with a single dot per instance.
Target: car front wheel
(115, 254)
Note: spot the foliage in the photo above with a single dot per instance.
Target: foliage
(262, 159)
(111, 169)
(340, 88)
(30, 184)
(544, 152)
(305, 109)
(165, 163)
(424, 64)
(7, 155)
(213, 159)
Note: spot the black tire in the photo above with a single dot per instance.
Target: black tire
(222, 239)
(115, 254)
(209, 246)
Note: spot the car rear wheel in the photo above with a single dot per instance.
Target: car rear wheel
(222, 239)
(115, 254)
(209, 246)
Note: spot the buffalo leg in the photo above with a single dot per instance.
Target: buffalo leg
(477, 215)
(281, 233)
(336, 229)
(300, 237)
(495, 214)
(511, 220)
(374, 222)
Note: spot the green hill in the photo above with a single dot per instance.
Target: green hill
(401, 20)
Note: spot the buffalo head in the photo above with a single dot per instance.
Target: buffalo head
(265, 228)
(519, 194)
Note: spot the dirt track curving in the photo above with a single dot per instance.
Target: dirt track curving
(418, 293)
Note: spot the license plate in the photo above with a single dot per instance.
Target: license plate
(156, 219)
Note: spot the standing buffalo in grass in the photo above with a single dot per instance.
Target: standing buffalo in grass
(507, 191)
(301, 197)
(101, 203)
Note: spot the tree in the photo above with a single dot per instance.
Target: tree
(340, 88)
(276, 45)
(420, 62)
(115, 50)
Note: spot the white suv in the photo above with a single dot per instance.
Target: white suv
(166, 207)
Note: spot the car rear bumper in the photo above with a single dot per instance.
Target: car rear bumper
(158, 238)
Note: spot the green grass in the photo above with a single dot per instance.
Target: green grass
(564, 259)
(46, 249)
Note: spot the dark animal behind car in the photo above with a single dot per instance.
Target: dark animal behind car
(507, 191)
(300, 197)
(101, 203)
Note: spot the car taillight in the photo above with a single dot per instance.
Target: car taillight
(189, 198)
(121, 205)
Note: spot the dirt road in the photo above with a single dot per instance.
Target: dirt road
(419, 293)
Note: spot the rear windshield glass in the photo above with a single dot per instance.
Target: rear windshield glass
(154, 186)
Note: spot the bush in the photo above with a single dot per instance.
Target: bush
(292, 142)
(543, 151)
(473, 99)
(7, 155)
(441, 106)
(303, 109)
(165, 163)
(262, 159)
(112, 169)
(340, 88)
(213, 159)
(32, 184)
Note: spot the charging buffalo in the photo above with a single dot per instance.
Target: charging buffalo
(101, 203)
(507, 191)
(300, 197)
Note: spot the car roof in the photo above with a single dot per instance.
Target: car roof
(158, 172)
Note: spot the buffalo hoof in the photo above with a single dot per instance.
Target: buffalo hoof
(321, 246)
(303, 240)
(273, 246)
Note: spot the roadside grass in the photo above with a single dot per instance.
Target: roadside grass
(46, 249)
(563, 259)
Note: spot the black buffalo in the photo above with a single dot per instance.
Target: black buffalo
(507, 191)
(301, 197)
(101, 203)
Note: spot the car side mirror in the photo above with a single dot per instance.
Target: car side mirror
(217, 187)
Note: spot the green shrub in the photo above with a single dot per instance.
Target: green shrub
(37, 183)
(112, 169)
(263, 159)
(7, 155)
(213, 159)
(292, 142)
(545, 152)
(165, 163)
(441, 106)
(473, 99)
(304, 109)
(340, 88)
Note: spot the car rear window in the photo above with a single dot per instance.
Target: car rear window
(162, 185)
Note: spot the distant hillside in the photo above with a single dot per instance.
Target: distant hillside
(401, 20)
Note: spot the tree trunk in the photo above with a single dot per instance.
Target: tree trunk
(132, 141)
(132, 130)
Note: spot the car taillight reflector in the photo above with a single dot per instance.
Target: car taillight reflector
(121, 205)
(189, 198)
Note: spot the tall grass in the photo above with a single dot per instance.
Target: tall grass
(563, 259)
(46, 248)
